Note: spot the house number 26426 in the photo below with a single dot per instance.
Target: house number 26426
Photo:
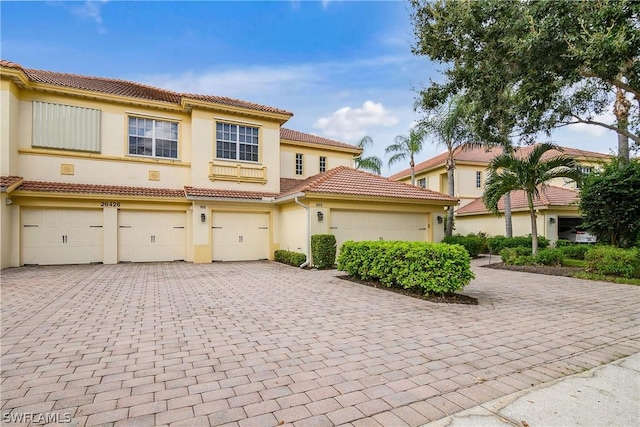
(110, 204)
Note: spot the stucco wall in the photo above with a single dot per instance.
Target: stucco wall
(311, 160)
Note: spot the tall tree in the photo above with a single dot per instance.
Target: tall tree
(448, 125)
(407, 147)
(371, 163)
(511, 172)
(566, 61)
(610, 202)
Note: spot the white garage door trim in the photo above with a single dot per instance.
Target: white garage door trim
(239, 236)
(373, 225)
(151, 236)
(62, 236)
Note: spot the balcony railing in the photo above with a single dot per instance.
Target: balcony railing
(238, 172)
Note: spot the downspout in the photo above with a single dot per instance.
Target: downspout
(306, 263)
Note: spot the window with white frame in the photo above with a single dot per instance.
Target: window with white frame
(323, 164)
(422, 183)
(237, 142)
(478, 179)
(153, 138)
(299, 168)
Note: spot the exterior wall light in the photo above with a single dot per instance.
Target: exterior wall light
(552, 220)
(440, 219)
(203, 217)
(320, 216)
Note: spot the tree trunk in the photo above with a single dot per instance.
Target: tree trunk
(507, 215)
(451, 189)
(534, 225)
(621, 110)
(413, 171)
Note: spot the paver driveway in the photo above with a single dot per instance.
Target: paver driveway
(258, 344)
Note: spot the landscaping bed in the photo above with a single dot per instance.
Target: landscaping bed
(453, 298)
(538, 269)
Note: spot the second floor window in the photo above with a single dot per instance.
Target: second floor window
(478, 179)
(236, 142)
(154, 138)
(298, 164)
(422, 183)
(323, 164)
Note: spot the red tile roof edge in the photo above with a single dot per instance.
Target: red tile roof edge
(131, 89)
(549, 196)
(294, 135)
(212, 193)
(116, 190)
(7, 182)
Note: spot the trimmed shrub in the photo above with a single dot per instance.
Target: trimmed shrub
(549, 256)
(434, 268)
(498, 243)
(513, 256)
(614, 261)
(292, 258)
(323, 250)
(573, 250)
(472, 243)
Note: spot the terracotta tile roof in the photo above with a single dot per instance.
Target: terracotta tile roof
(484, 156)
(130, 89)
(288, 183)
(194, 192)
(549, 196)
(116, 190)
(8, 181)
(294, 135)
(222, 100)
(347, 181)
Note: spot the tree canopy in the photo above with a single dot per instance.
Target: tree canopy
(610, 202)
(370, 163)
(531, 66)
(407, 147)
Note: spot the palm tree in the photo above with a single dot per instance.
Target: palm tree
(407, 146)
(371, 163)
(449, 127)
(529, 174)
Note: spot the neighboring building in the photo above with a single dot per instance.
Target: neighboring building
(105, 170)
(557, 207)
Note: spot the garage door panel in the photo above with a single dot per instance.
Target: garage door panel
(240, 236)
(151, 236)
(359, 226)
(62, 236)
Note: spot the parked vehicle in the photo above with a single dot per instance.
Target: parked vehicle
(576, 235)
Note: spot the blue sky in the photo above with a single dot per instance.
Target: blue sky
(344, 68)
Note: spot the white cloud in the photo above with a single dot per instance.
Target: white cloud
(90, 10)
(350, 124)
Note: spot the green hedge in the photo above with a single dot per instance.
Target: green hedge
(574, 250)
(291, 258)
(473, 243)
(614, 261)
(323, 250)
(435, 268)
(522, 256)
(498, 243)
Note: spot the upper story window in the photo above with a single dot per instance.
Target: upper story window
(422, 183)
(323, 164)
(154, 138)
(299, 168)
(236, 142)
(66, 127)
(478, 179)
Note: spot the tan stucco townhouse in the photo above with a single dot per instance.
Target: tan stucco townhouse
(100, 170)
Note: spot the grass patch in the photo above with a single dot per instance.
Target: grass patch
(567, 262)
(604, 278)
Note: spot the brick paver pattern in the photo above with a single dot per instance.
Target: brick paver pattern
(260, 344)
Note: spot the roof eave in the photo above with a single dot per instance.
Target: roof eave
(189, 103)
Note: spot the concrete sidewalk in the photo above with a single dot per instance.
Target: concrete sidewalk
(605, 396)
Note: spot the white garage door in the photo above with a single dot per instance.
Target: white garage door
(61, 236)
(240, 236)
(356, 225)
(151, 236)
